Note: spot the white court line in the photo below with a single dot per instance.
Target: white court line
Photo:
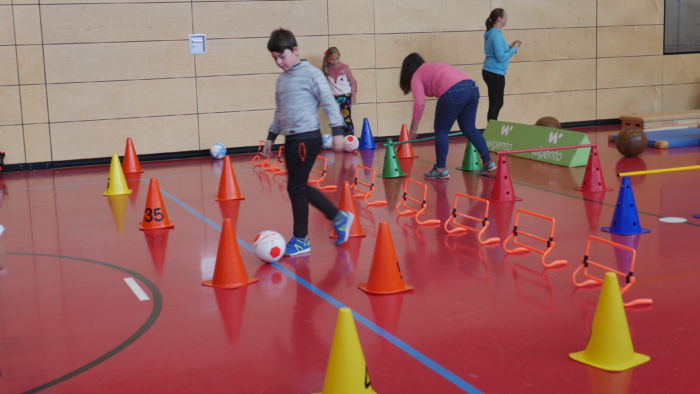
(138, 291)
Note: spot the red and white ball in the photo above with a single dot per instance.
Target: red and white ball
(351, 143)
(269, 246)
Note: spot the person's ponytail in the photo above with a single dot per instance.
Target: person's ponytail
(493, 17)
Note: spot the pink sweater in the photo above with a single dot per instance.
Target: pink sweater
(432, 80)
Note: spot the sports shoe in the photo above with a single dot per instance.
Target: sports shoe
(297, 246)
(488, 168)
(434, 173)
(342, 222)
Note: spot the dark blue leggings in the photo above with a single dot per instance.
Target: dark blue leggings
(458, 103)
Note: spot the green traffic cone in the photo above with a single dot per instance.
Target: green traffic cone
(392, 167)
(471, 161)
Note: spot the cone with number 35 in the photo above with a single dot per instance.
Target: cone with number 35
(154, 216)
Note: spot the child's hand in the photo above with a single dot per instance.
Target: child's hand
(268, 148)
(338, 143)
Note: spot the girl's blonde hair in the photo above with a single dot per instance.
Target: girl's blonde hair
(327, 54)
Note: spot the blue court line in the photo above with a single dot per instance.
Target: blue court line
(425, 360)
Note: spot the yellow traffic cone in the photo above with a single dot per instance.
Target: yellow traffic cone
(610, 345)
(346, 372)
(116, 184)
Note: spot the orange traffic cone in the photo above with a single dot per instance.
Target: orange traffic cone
(348, 204)
(593, 178)
(228, 186)
(385, 274)
(131, 161)
(405, 151)
(503, 188)
(229, 272)
(154, 216)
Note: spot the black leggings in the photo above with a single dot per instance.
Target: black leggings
(496, 85)
(300, 152)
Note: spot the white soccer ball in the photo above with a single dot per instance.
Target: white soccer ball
(327, 141)
(351, 143)
(218, 151)
(269, 246)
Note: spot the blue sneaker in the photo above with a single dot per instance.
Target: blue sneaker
(342, 222)
(297, 246)
(488, 168)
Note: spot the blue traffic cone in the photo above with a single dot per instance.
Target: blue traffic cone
(697, 216)
(366, 139)
(625, 219)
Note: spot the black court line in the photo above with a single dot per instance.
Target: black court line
(152, 317)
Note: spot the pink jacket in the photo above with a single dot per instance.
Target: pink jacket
(432, 80)
(341, 80)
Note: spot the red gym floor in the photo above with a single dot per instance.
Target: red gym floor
(478, 320)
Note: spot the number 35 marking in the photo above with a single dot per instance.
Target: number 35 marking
(153, 214)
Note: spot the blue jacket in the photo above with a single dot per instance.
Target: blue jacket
(497, 52)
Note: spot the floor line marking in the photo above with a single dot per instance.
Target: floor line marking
(138, 291)
(420, 357)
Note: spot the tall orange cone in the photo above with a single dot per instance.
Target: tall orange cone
(154, 216)
(593, 178)
(503, 188)
(385, 274)
(610, 344)
(131, 161)
(346, 372)
(228, 185)
(405, 151)
(229, 272)
(116, 184)
(348, 204)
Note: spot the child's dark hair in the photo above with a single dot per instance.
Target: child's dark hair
(493, 16)
(280, 40)
(326, 55)
(408, 68)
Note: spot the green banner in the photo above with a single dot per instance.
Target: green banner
(505, 136)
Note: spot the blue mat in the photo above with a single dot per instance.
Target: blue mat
(676, 138)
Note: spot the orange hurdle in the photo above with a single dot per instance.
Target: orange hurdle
(279, 168)
(452, 226)
(592, 280)
(261, 159)
(410, 210)
(521, 247)
(316, 180)
(365, 195)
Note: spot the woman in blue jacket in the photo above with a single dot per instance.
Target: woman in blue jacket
(498, 54)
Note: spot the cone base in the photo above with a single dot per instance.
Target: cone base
(217, 198)
(142, 228)
(210, 283)
(401, 175)
(123, 192)
(365, 288)
(636, 359)
(506, 200)
(641, 231)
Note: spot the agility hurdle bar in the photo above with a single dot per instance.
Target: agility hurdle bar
(456, 133)
(658, 171)
(510, 152)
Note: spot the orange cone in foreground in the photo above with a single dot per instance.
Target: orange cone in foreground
(405, 151)
(385, 274)
(229, 272)
(154, 216)
(228, 185)
(131, 161)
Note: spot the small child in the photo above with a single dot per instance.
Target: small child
(343, 85)
(299, 91)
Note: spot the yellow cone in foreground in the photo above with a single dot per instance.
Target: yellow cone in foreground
(346, 372)
(116, 184)
(610, 345)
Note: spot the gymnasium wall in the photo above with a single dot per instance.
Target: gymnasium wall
(79, 76)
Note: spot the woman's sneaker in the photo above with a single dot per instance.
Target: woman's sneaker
(434, 173)
(342, 222)
(488, 168)
(297, 246)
